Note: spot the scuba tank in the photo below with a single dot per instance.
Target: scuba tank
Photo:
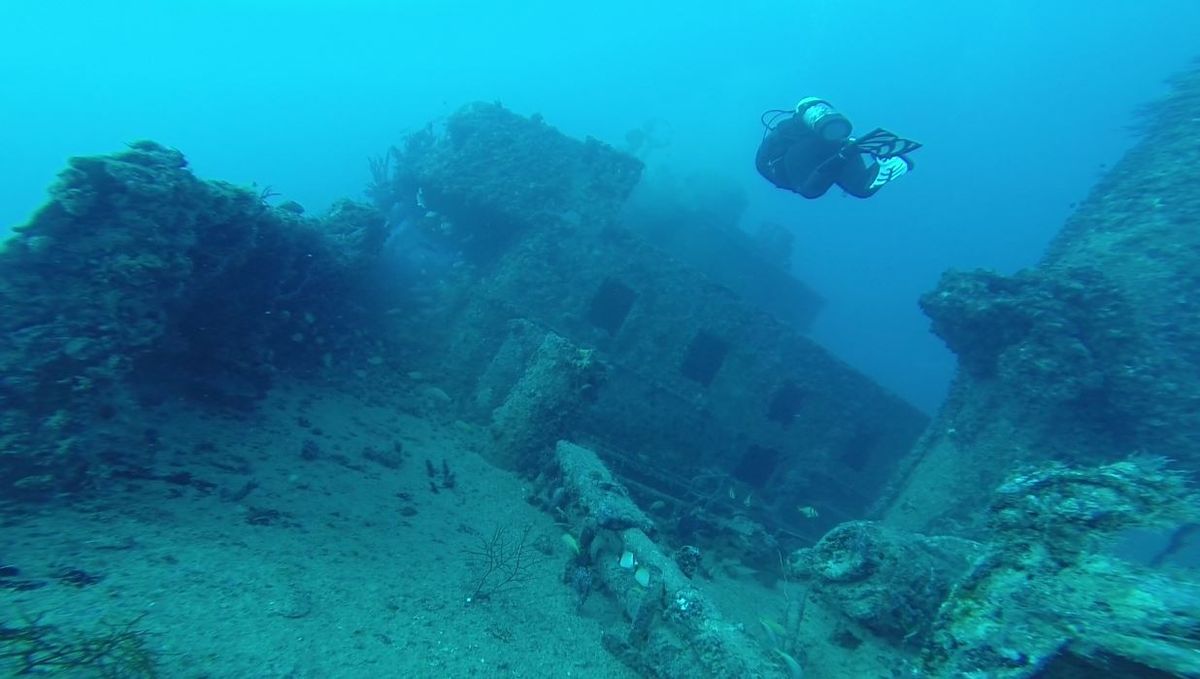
(822, 118)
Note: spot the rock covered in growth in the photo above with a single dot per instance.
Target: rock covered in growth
(1046, 598)
(138, 281)
(887, 581)
(1073, 510)
(1087, 356)
(1043, 337)
(1039, 596)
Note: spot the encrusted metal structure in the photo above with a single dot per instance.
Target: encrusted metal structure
(706, 398)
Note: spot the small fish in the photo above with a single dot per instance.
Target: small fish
(774, 630)
(571, 543)
(808, 511)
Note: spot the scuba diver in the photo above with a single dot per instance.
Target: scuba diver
(812, 150)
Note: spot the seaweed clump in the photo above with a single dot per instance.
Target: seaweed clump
(112, 651)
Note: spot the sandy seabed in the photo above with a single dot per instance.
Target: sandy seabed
(262, 563)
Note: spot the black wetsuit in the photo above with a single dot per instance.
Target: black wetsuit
(795, 158)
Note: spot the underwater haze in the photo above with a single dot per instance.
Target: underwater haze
(390, 339)
(1020, 105)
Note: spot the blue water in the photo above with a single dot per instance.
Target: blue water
(1021, 106)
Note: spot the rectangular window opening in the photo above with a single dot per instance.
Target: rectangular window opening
(704, 357)
(758, 465)
(611, 305)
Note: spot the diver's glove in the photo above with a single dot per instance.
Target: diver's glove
(890, 169)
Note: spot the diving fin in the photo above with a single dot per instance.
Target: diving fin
(883, 144)
(890, 169)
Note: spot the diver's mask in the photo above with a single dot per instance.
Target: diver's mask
(821, 118)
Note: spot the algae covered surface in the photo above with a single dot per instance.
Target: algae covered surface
(494, 420)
